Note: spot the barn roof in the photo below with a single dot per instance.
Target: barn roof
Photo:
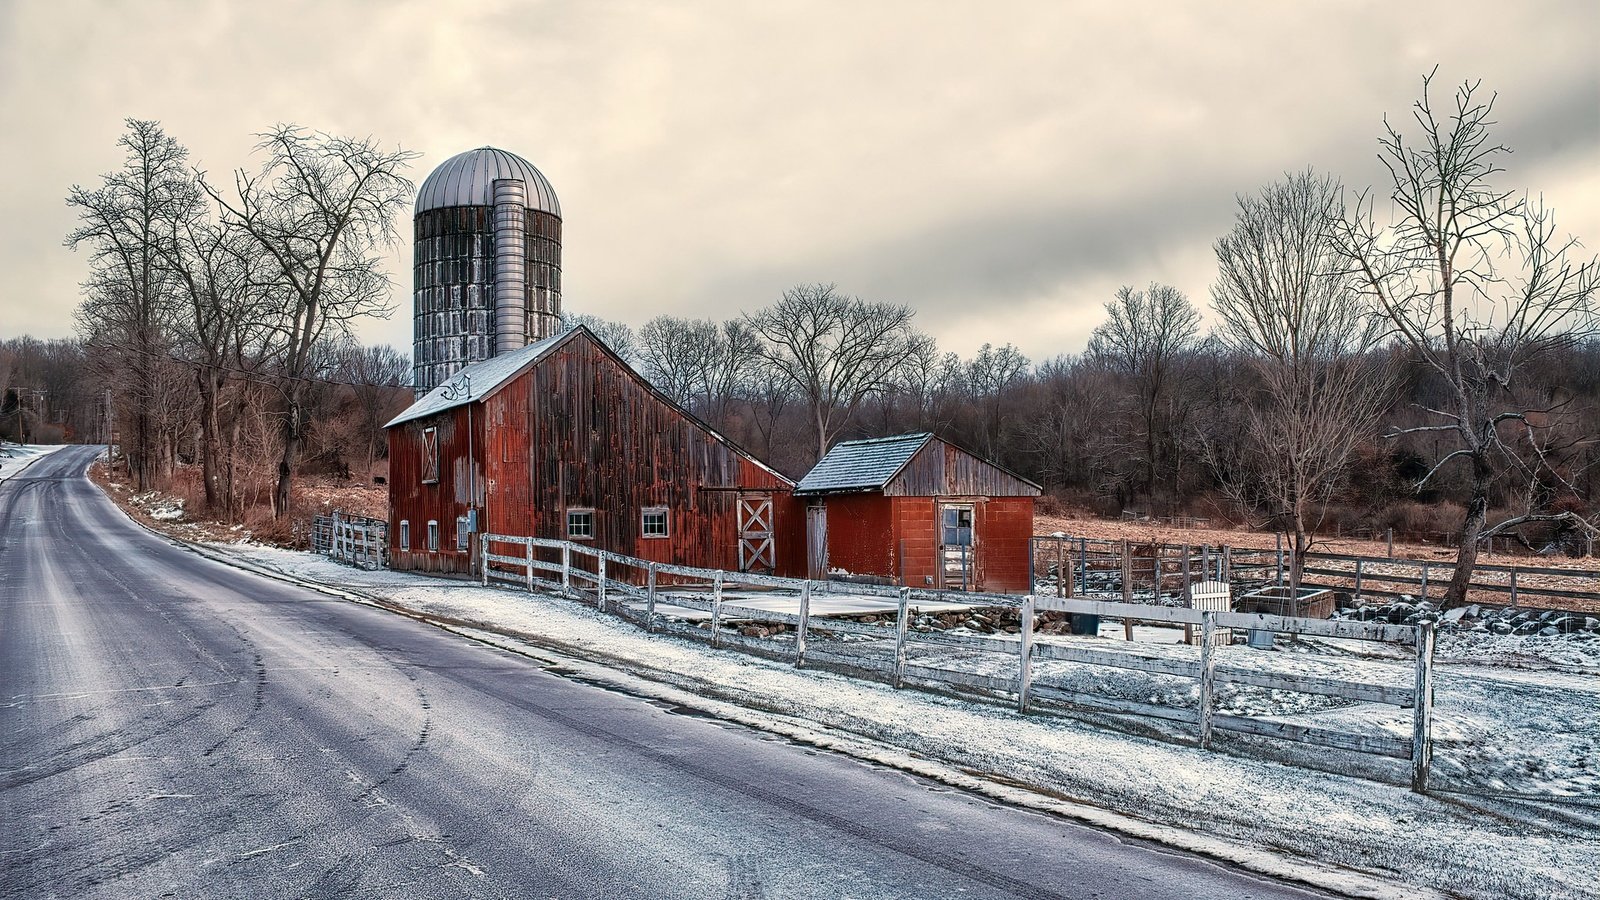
(864, 465)
(478, 380)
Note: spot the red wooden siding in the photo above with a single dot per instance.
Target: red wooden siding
(943, 469)
(580, 430)
(413, 501)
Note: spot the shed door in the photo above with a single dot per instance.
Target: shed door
(957, 550)
(817, 542)
(756, 550)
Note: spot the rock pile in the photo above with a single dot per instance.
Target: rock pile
(1494, 620)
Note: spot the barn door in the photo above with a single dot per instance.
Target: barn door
(756, 550)
(957, 551)
(817, 542)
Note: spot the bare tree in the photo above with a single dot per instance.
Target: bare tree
(1285, 303)
(1143, 338)
(377, 377)
(616, 335)
(990, 375)
(320, 207)
(836, 350)
(1479, 284)
(127, 297)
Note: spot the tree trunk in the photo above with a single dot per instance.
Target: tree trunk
(1471, 527)
(293, 429)
(210, 438)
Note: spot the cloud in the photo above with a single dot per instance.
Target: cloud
(1002, 167)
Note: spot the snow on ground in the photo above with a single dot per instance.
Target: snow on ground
(1505, 736)
(16, 457)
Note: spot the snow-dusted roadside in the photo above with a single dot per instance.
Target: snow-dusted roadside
(16, 457)
(1330, 830)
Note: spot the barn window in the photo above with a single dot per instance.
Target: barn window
(405, 535)
(653, 523)
(433, 536)
(463, 534)
(430, 456)
(580, 524)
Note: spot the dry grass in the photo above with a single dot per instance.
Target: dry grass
(315, 495)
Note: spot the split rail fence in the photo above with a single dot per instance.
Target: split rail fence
(1160, 573)
(635, 589)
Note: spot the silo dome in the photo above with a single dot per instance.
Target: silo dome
(487, 276)
(467, 179)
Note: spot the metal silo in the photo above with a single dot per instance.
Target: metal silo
(488, 262)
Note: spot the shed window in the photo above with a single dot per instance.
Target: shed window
(580, 524)
(430, 456)
(958, 526)
(653, 522)
(433, 536)
(463, 534)
(405, 535)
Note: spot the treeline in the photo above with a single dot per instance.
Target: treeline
(1436, 372)
(216, 314)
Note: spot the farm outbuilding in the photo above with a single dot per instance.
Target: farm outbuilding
(916, 510)
(562, 439)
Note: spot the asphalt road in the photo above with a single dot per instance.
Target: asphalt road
(172, 726)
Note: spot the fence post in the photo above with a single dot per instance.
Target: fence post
(483, 557)
(529, 564)
(1208, 675)
(1025, 647)
(1188, 598)
(650, 599)
(1424, 568)
(1127, 589)
(1358, 578)
(901, 624)
(1388, 538)
(805, 622)
(1279, 577)
(1155, 573)
(600, 582)
(1422, 708)
(1083, 562)
(1063, 570)
(566, 568)
(1513, 585)
(716, 610)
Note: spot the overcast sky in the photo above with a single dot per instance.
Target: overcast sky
(1000, 167)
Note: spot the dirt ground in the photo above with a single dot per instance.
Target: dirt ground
(1149, 532)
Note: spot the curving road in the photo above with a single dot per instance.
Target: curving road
(172, 726)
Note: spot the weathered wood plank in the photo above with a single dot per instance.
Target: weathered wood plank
(1377, 744)
(1101, 703)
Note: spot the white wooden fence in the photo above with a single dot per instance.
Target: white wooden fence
(609, 579)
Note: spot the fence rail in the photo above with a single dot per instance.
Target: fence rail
(621, 584)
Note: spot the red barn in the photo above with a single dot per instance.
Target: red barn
(562, 439)
(919, 511)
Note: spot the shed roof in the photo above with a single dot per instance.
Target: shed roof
(864, 465)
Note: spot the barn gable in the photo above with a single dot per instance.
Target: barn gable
(910, 465)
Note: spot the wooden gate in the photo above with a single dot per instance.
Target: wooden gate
(757, 553)
(817, 542)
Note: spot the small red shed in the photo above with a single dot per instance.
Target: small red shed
(562, 439)
(916, 510)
